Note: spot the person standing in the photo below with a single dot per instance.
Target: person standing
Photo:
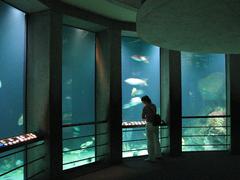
(152, 132)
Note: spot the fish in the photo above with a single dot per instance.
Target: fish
(133, 102)
(190, 93)
(136, 81)
(140, 58)
(68, 97)
(0, 84)
(19, 163)
(76, 129)
(66, 149)
(87, 144)
(20, 120)
(136, 92)
(69, 82)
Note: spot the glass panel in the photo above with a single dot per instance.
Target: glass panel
(78, 97)
(140, 76)
(12, 58)
(78, 131)
(204, 148)
(134, 142)
(12, 65)
(78, 157)
(79, 143)
(78, 163)
(78, 79)
(204, 122)
(204, 94)
(134, 134)
(134, 153)
(17, 174)
(9, 163)
(203, 84)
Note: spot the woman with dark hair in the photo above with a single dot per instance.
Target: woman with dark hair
(152, 132)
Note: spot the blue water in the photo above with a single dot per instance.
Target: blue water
(12, 61)
(78, 90)
(146, 71)
(140, 61)
(12, 74)
(210, 70)
(78, 96)
(204, 94)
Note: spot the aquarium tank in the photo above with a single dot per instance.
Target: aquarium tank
(12, 75)
(78, 97)
(205, 126)
(140, 76)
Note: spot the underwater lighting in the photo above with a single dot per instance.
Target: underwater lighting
(17, 139)
(134, 124)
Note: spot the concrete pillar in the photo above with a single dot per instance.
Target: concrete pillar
(233, 100)
(108, 91)
(171, 105)
(44, 86)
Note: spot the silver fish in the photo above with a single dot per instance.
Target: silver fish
(136, 92)
(68, 97)
(133, 102)
(87, 144)
(20, 120)
(140, 58)
(136, 81)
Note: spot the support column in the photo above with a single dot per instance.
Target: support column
(233, 99)
(108, 92)
(44, 87)
(171, 105)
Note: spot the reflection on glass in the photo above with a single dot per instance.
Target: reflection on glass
(203, 94)
(140, 76)
(78, 97)
(203, 84)
(12, 60)
(9, 162)
(134, 142)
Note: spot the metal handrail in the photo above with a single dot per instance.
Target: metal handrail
(25, 148)
(197, 117)
(82, 124)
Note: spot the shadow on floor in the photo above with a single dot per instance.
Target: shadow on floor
(194, 166)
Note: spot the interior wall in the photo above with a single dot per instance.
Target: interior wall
(44, 85)
(108, 86)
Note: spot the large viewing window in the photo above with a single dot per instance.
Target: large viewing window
(78, 97)
(12, 76)
(140, 76)
(205, 125)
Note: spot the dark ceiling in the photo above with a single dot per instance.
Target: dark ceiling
(108, 8)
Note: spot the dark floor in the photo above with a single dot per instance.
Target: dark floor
(194, 166)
